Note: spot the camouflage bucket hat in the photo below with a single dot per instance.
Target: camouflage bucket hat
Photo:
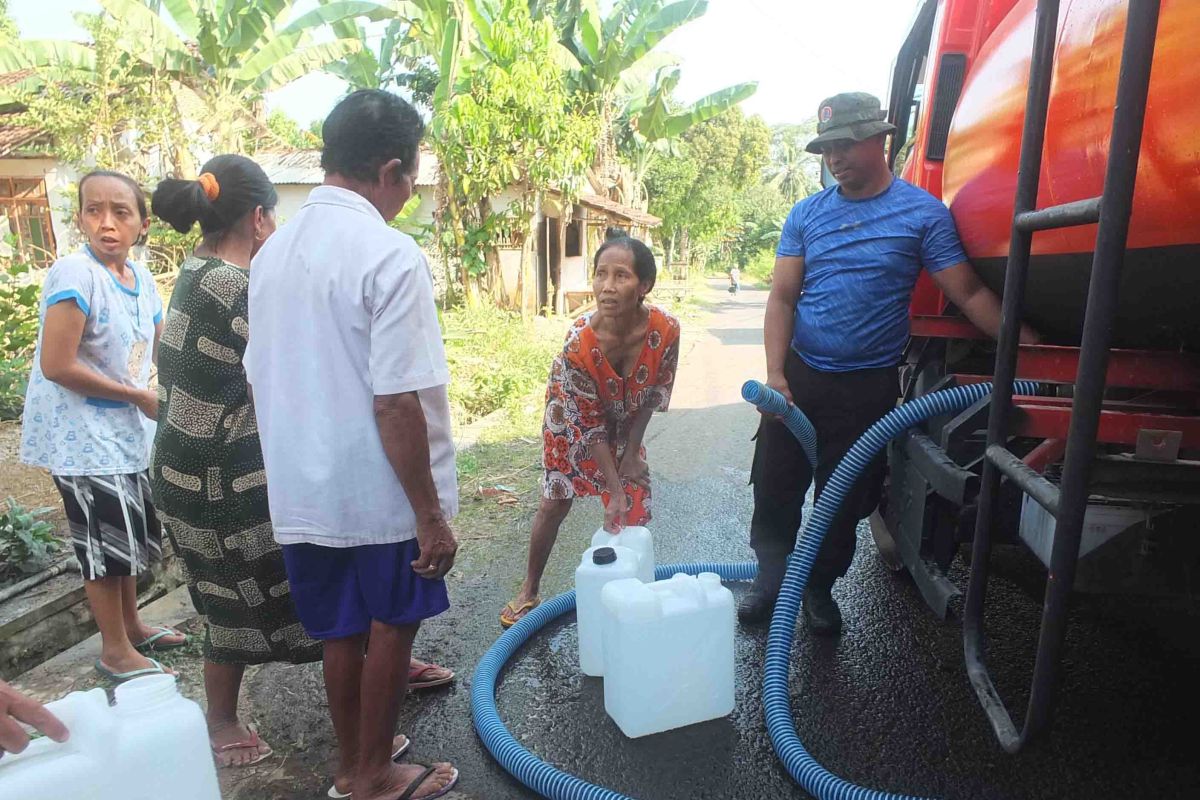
(853, 115)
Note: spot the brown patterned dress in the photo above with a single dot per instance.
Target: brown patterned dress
(207, 473)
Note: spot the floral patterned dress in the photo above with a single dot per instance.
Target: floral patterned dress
(588, 402)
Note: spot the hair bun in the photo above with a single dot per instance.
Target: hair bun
(208, 182)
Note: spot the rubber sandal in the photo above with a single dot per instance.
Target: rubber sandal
(121, 677)
(253, 741)
(396, 756)
(415, 673)
(410, 792)
(512, 614)
(152, 642)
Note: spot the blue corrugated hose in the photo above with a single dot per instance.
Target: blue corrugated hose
(815, 779)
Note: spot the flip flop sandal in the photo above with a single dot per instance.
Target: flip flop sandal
(121, 677)
(512, 614)
(415, 673)
(396, 756)
(153, 641)
(253, 741)
(410, 792)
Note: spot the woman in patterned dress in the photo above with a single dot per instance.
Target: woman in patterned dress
(207, 468)
(616, 368)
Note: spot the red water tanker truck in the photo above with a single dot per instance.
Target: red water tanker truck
(1064, 135)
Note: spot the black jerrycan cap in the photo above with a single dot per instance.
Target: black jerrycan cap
(604, 555)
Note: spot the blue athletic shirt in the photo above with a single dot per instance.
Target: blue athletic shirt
(861, 262)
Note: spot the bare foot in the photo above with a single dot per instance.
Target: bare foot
(236, 745)
(343, 782)
(397, 779)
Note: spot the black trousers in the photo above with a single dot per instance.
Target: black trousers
(841, 406)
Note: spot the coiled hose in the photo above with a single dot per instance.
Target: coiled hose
(804, 769)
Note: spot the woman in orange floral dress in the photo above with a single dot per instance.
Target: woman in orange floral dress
(616, 368)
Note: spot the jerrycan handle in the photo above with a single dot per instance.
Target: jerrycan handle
(686, 586)
(69, 712)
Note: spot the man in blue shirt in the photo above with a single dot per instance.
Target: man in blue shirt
(836, 326)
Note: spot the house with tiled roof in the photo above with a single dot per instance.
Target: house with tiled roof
(567, 234)
(33, 184)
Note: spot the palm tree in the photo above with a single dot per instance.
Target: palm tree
(793, 171)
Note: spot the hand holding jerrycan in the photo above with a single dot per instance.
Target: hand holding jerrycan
(151, 744)
(628, 554)
(637, 539)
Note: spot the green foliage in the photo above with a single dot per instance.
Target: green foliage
(92, 115)
(761, 211)
(697, 194)
(14, 379)
(19, 298)
(629, 84)
(289, 132)
(27, 540)
(759, 268)
(167, 248)
(497, 359)
(368, 68)
(511, 124)
(8, 28)
(605, 47)
(223, 54)
(795, 172)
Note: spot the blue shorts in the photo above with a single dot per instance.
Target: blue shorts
(339, 591)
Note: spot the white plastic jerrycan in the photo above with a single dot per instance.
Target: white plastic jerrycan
(598, 566)
(668, 652)
(637, 539)
(151, 744)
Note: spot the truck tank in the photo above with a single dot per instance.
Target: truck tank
(1160, 292)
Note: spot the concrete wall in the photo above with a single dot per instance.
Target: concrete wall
(575, 274)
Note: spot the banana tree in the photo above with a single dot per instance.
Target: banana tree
(652, 122)
(228, 53)
(630, 83)
(377, 66)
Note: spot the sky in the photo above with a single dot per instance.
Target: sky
(799, 51)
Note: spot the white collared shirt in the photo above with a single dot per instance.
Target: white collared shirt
(341, 310)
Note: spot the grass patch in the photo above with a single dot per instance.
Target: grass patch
(760, 269)
(497, 359)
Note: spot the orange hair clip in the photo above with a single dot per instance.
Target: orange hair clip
(208, 182)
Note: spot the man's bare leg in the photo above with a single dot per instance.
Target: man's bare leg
(343, 665)
(384, 683)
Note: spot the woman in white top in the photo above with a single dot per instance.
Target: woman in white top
(86, 413)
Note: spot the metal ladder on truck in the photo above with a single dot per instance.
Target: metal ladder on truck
(1067, 502)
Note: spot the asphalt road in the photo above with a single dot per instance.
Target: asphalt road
(887, 704)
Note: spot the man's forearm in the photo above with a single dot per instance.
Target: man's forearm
(777, 334)
(983, 310)
(405, 438)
